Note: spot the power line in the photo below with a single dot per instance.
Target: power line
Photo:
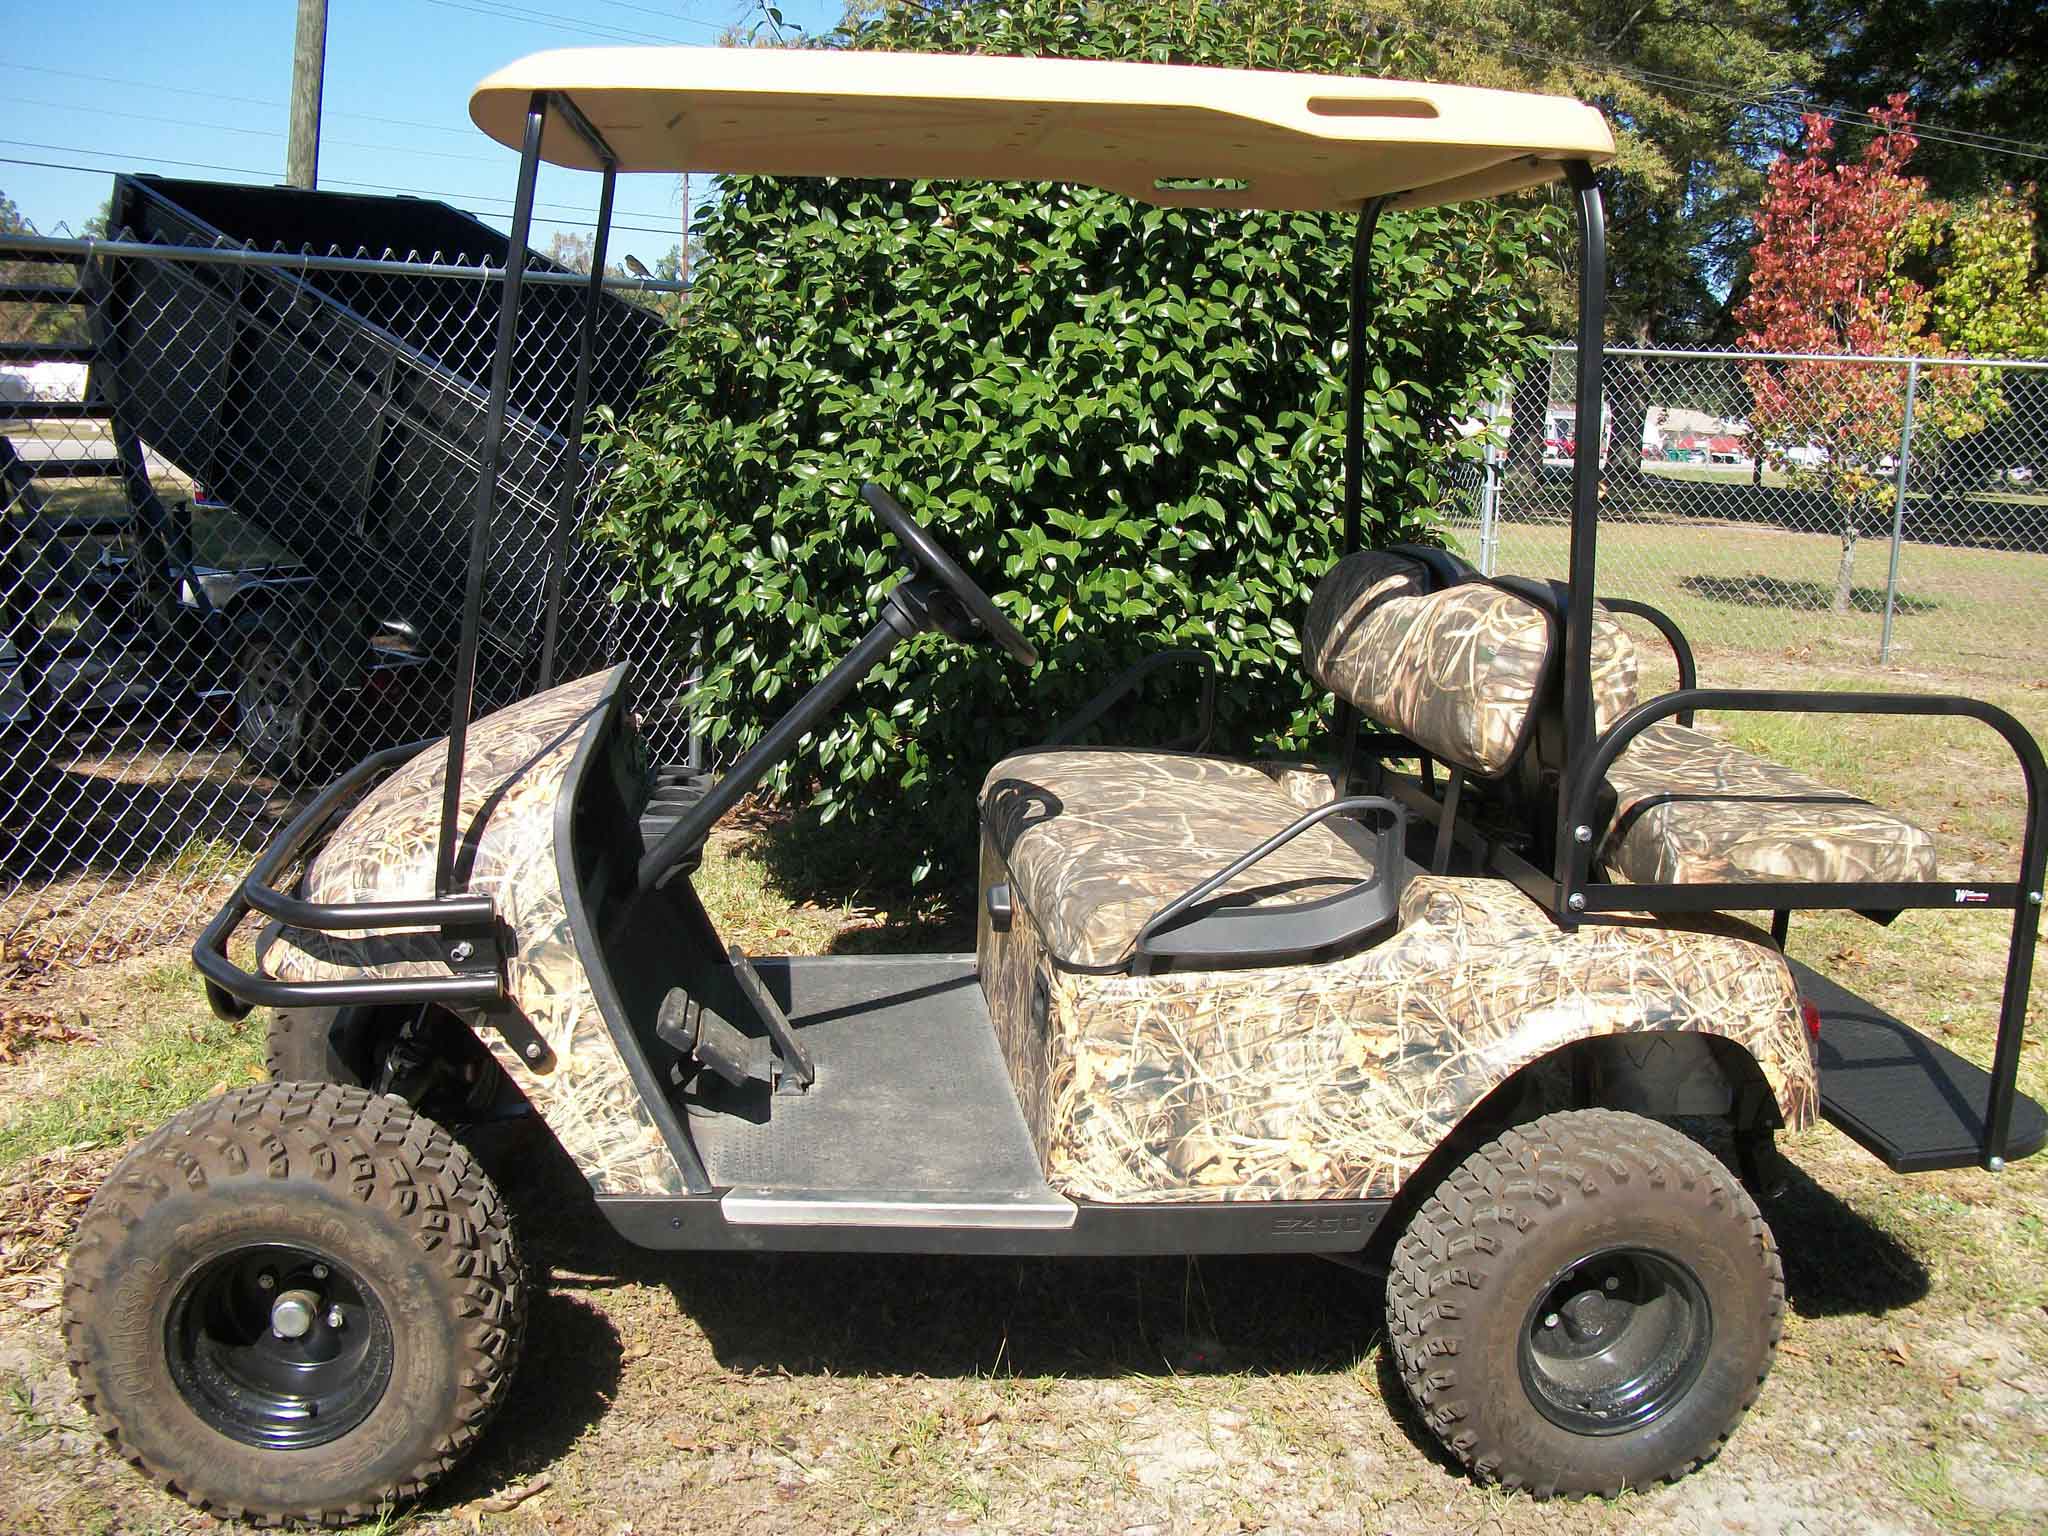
(1776, 100)
(216, 96)
(598, 29)
(258, 133)
(243, 170)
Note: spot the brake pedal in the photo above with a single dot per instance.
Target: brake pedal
(698, 1033)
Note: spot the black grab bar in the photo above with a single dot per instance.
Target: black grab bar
(466, 919)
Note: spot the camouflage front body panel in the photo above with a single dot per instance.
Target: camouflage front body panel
(1099, 839)
(1337, 1080)
(514, 767)
(1692, 809)
(1456, 671)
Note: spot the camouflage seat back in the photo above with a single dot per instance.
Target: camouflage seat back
(1458, 672)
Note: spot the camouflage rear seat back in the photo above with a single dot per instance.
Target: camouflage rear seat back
(1459, 672)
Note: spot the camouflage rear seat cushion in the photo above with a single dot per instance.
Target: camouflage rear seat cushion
(1693, 809)
(1099, 839)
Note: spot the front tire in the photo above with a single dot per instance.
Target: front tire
(294, 1302)
(1589, 1302)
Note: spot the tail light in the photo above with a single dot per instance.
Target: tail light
(1809, 1013)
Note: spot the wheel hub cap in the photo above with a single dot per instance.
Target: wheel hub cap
(1614, 1341)
(277, 1346)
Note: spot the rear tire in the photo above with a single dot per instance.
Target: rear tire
(377, 1227)
(1589, 1302)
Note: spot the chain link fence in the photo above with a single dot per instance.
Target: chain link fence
(1840, 510)
(238, 488)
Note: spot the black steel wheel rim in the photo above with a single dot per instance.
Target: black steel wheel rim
(271, 1389)
(1615, 1340)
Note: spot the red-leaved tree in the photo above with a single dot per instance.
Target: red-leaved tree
(1826, 278)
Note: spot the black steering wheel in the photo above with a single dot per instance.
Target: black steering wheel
(927, 552)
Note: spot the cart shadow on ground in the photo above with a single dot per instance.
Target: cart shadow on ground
(832, 1316)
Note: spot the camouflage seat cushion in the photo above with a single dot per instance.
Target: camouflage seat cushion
(1096, 840)
(1690, 808)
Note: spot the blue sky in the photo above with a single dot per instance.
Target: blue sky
(117, 85)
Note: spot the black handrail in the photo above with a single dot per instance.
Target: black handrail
(2025, 897)
(1387, 867)
(231, 991)
(1665, 625)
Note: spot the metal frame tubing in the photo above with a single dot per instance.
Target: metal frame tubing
(1589, 430)
(462, 688)
(572, 453)
(1585, 775)
(1354, 437)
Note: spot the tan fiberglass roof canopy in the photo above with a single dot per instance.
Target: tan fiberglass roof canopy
(1163, 133)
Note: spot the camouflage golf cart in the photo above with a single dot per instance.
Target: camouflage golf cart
(1425, 1006)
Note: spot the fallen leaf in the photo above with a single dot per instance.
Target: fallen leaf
(512, 1498)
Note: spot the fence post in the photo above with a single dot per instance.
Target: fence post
(1489, 487)
(1891, 583)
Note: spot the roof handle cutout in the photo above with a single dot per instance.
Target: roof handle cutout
(1201, 184)
(1368, 106)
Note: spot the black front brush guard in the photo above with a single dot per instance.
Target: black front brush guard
(467, 924)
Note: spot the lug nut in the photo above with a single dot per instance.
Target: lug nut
(266, 1281)
(1550, 1321)
(1611, 1283)
(334, 1318)
(319, 1271)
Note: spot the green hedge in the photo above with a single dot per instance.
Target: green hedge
(1127, 420)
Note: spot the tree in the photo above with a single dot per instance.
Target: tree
(1828, 277)
(1128, 418)
(571, 250)
(1682, 89)
(1988, 302)
(1976, 68)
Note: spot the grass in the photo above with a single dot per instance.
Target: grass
(1738, 587)
(182, 1054)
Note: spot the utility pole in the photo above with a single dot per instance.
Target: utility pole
(683, 252)
(309, 70)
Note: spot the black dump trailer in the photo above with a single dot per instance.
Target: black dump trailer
(341, 413)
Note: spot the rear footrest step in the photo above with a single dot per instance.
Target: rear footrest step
(1915, 1104)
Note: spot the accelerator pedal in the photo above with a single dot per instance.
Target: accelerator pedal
(790, 1068)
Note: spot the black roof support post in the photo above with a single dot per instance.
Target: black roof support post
(1354, 444)
(572, 453)
(1589, 433)
(462, 687)
(1354, 379)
